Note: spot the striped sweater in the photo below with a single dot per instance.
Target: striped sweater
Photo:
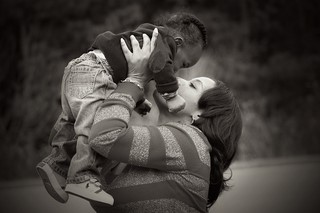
(169, 164)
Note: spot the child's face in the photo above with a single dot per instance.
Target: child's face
(187, 56)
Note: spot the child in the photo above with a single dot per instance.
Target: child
(89, 79)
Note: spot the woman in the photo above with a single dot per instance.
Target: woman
(174, 167)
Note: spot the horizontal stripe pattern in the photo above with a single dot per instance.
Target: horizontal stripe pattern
(168, 164)
(201, 146)
(113, 111)
(157, 150)
(174, 156)
(157, 205)
(139, 152)
(155, 191)
(106, 126)
(134, 177)
(103, 143)
(190, 150)
(126, 98)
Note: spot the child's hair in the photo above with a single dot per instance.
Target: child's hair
(187, 25)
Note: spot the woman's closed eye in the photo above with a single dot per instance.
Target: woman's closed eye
(196, 84)
(192, 85)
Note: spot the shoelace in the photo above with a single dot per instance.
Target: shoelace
(96, 183)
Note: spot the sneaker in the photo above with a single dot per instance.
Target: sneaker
(90, 190)
(53, 182)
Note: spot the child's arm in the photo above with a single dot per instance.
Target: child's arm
(161, 64)
(174, 101)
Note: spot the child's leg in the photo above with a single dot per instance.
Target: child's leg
(87, 85)
(53, 169)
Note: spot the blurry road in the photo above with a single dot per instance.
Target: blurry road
(268, 186)
(29, 196)
(273, 186)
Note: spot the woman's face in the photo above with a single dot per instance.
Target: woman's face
(191, 91)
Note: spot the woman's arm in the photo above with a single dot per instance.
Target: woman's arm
(171, 147)
(162, 147)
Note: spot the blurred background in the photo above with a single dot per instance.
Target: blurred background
(267, 52)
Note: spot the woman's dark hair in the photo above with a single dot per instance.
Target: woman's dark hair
(222, 124)
(187, 25)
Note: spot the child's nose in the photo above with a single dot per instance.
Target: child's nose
(179, 80)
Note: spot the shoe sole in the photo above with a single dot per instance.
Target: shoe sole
(50, 183)
(77, 192)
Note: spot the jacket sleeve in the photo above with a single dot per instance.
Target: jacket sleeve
(161, 64)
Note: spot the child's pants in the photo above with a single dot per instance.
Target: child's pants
(86, 83)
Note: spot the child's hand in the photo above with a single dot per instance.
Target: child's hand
(176, 104)
(144, 107)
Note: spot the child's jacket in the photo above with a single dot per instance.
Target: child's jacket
(160, 62)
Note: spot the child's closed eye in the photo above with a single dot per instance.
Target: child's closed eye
(185, 65)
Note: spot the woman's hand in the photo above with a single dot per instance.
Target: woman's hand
(138, 59)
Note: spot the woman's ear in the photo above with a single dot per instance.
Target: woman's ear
(196, 115)
(179, 41)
